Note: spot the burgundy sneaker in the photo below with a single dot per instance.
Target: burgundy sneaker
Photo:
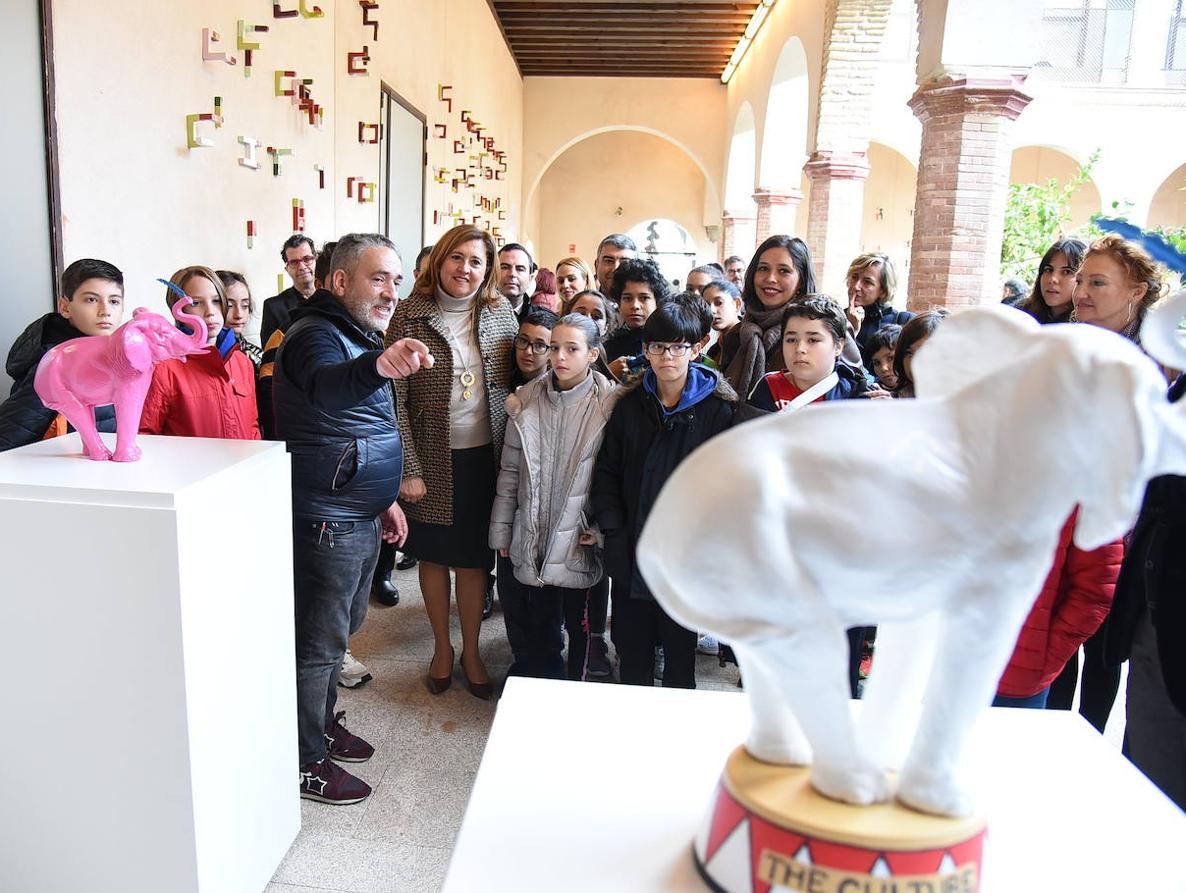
(327, 782)
(343, 746)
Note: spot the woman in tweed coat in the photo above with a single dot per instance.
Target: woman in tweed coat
(452, 418)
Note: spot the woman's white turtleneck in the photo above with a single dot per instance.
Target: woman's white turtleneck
(469, 420)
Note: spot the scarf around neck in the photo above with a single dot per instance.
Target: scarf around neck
(757, 333)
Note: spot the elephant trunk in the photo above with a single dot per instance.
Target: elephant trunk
(195, 323)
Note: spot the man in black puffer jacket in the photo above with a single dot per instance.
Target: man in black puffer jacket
(1145, 627)
(335, 407)
(91, 303)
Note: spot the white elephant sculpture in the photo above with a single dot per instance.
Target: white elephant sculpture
(933, 518)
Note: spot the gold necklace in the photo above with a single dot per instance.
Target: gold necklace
(467, 378)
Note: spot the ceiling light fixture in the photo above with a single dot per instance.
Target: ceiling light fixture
(743, 44)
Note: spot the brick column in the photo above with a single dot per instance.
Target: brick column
(834, 212)
(737, 235)
(963, 183)
(776, 212)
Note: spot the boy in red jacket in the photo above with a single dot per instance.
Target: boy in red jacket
(211, 394)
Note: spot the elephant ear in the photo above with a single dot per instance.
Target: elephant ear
(1121, 450)
(971, 345)
(129, 354)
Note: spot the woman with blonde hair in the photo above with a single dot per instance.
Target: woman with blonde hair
(573, 276)
(452, 419)
(872, 282)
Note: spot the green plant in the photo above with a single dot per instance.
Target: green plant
(1036, 214)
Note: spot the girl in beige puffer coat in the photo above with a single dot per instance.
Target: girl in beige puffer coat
(540, 517)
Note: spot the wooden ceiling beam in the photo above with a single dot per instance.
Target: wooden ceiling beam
(619, 74)
(657, 20)
(625, 5)
(603, 27)
(666, 54)
(693, 43)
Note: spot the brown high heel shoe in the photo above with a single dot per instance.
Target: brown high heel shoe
(438, 685)
(482, 690)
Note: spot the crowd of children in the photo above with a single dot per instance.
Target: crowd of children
(609, 393)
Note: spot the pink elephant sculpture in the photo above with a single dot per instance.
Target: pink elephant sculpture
(76, 376)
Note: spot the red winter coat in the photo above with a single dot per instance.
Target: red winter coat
(1073, 603)
(206, 396)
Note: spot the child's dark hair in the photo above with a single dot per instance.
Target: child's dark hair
(818, 307)
(642, 270)
(321, 268)
(883, 338)
(726, 286)
(697, 305)
(800, 257)
(675, 322)
(914, 331)
(535, 315)
(88, 268)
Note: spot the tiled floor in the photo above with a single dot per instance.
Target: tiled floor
(427, 750)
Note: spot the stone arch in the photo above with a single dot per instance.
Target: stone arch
(887, 224)
(607, 181)
(1168, 207)
(738, 220)
(741, 168)
(788, 119)
(1040, 163)
(710, 183)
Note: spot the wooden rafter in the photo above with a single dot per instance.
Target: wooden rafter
(622, 38)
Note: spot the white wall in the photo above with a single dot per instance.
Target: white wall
(129, 73)
(24, 227)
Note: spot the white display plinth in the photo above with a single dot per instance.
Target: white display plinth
(149, 737)
(603, 787)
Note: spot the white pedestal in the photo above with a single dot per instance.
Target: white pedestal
(149, 734)
(603, 787)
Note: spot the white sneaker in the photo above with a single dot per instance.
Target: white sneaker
(354, 672)
(706, 644)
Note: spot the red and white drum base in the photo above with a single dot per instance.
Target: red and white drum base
(769, 831)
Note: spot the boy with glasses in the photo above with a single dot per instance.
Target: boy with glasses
(672, 408)
(300, 259)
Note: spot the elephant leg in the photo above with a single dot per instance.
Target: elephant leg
(976, 637)
(775, 735)
(83, 419)
(128, 408)
(810, 667)
(893, 695)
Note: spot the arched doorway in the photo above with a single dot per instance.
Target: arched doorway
(602, 183)
(737, 235)
(788, 112)
(887, 223)
(1168, 208)
(666, 243)
(1040, 164)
